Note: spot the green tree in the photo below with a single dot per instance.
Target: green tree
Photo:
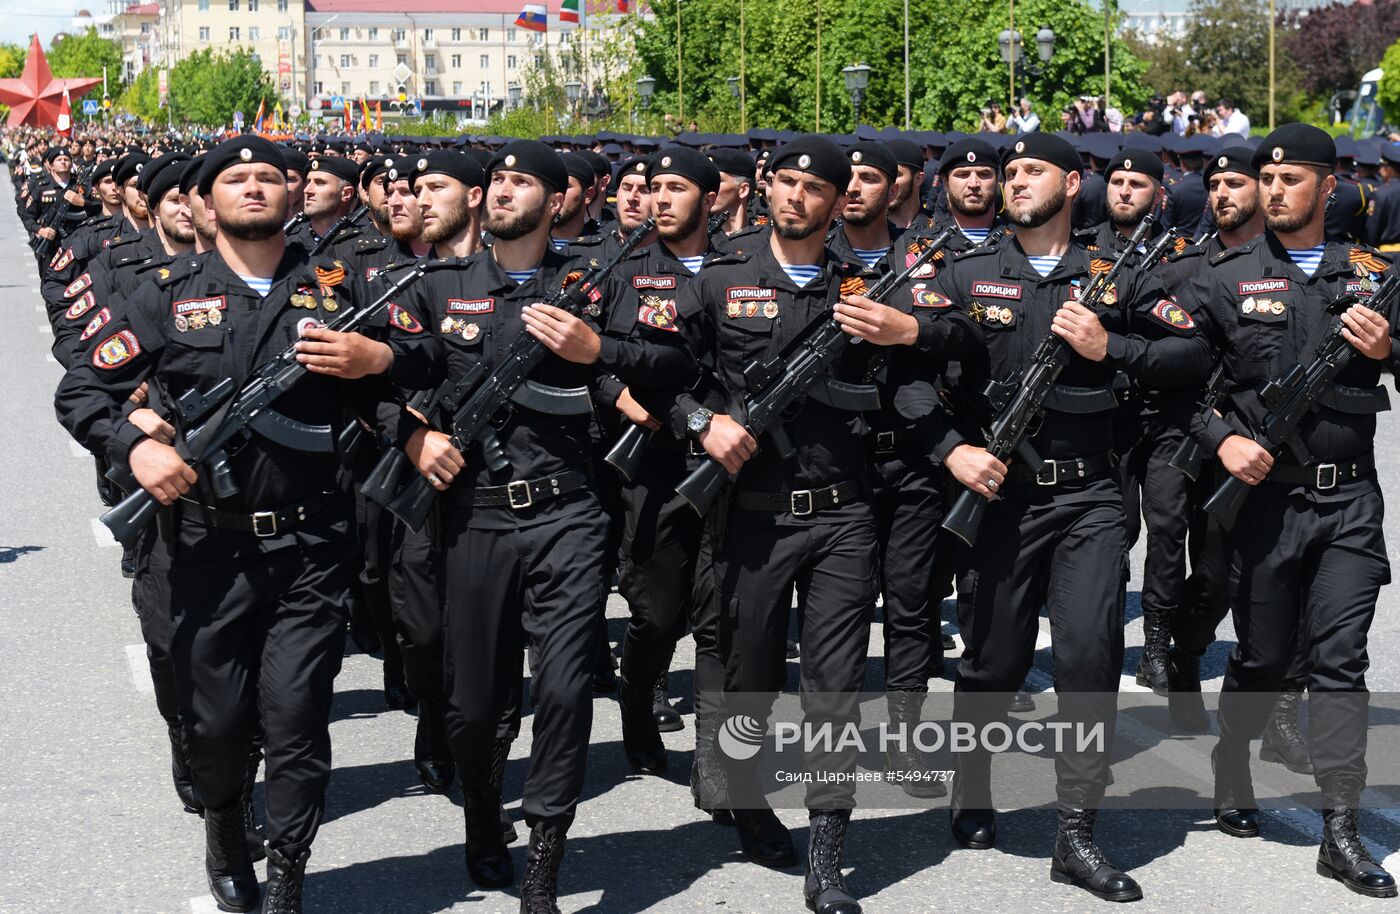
(1226, 51)
(142, 97)
(206, 88)
(1388, 92)
(85, 55)
(11, 60)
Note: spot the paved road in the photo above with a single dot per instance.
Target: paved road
(91, 823)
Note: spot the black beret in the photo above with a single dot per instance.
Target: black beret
(296, 160)
(102, 170)
(689, 164)
(161, 174)
(482, 156)
(448, 162)
(190, 175)
(579, 168)
(531, 157)
(1297, 144)
(1236, 157)
(1139, 161)
(636, 165)
(1044, 146)
(129, 166)
(874, 154)
(344, 169)
(56, 151)
(376, 166)
(241, 150)
(734, 162)
(968, 151)
(601, 166)
(906, 152)
(816, 156)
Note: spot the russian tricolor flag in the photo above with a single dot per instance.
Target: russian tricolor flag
(532, 18)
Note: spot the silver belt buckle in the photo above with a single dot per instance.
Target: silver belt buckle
(796, 502)
(525, 500)
(1054, 467)
(884, 441)
(1327, 472)
(271, 527)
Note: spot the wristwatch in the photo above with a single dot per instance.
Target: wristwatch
(698, 421)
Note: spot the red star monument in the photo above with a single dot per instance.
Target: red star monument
(35, 97)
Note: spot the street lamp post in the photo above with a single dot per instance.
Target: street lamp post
(1009, 43)
(857, 79)
(514, 92)
(572, 89)
(646, 86)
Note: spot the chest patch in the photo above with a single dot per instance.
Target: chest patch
(659, 283)
(749, 293)
(925, 297)
(471, 305)
(1007, 290)
(1261, 286)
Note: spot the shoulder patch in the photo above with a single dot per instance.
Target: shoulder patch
(62, 259)
(116, 350)
(81, 306)
(1173, 315)
(658, 312)
(77, 285)
(99, 320)
(403, 320)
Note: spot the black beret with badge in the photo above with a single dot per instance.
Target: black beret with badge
(129, 166)
(531, 157)
(1137, 161)
(344, 169)
(579, 168)
(1297, 144)
(1047, 148)
(734, 162)
(689, 163)
(906, 152)
(875, 155)
(161, 174)
(1233, 157)
(815, 155)
(448, 162)
(636, 165)
(190, 176)
(373, 168)
(297, 160)
(241, 150)
(969, 151)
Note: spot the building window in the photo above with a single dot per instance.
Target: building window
(403, 58)
(511, 62)
(284, 33)
(374, 34)
(428, 35)
(252, 6)
(374, 61)
(430, 64)
(345, 60)
(204, 33)
(344, 34)
(281, 6)
(254, 33)
(400, 34)
(430, 87)
(374, 87)
(233, 5)
(483, 34)
(233, 34)
(485, 61)
(456, 87)
(456, 34)
(345, 87)
(510, 36)
(204, 6)
(456, 61)
(316, 87)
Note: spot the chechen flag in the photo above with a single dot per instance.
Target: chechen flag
(65, 115)
(532, 18)
(622, 6)
(568, 11)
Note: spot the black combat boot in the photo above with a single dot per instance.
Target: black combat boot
(1152, 669)
(668, 720)
(488, 861)
(970, 810)
(284, 881)
(397, 695)
(640, 740)
(1283, 735)
(905, 761)
(709, 783)
(1344, 857)
(232, 881)
(1021, 702)
(500, 753)
(1236, 810)
(825, 889)
(180, 771)
(1079, 862)
(1184, 702)
(539, 887)
(764, 839)
(431, 755)
(253, 833)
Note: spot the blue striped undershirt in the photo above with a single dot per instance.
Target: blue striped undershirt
(801, 273)
(1046, 264)
(871, 256)
(692, 264)
(258, 284)
(976, 236)
(521, 276)
(559, 243)
(1308, 259)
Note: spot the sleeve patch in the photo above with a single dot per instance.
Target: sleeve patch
(1173, 315)
(99, 320)
(116, 350)
(659, 313)
(61, 259)
(80, 307)
(403, 320)
(925, 297)
(78, 285)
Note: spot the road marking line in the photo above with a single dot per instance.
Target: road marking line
(34, 289)
(102, 534)
(45, 328)
(77, 450)
(48, 357)
(39, 308)
(141, 673)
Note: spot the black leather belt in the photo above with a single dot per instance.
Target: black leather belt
(526, 492)
(885, 442)
(1322, 476)
(802, 502)
(262, 524)
(1062, 472)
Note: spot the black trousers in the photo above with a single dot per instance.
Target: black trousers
(415, 603)
(1309, 575)
(1159, 497)
(150, 596)
(834, 565)
(539, 583)
(913, 557)
(1064, 549)
(1207, 595)
(261, 632)
(657, 557)
(374, 529)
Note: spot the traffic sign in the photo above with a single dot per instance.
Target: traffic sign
(90, 106)
(238, 119)
(337, 103)
(317, 103)
(294, 112)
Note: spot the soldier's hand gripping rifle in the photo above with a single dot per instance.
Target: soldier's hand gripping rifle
(470, 404)
(54, 216)
(212, 419)
(1293, 397)
(1020, 404)
(780, 383)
